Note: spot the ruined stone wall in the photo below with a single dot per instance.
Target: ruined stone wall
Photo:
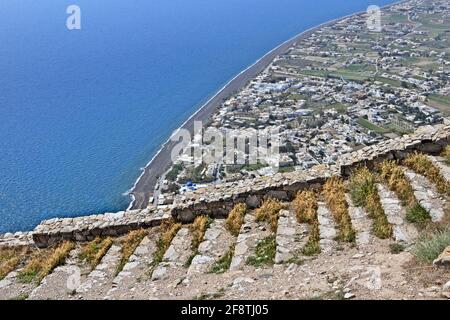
(217, 200)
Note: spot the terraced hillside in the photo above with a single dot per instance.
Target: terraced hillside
(366, 237)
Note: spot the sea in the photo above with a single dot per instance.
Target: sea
(82, 111)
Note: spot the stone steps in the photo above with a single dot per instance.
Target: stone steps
(402, 230)
(136, 270)
(327, 226)
(361, 223)
(251, 232)
(62, 282)
(11, 288)
(173, 278)
(443, 167)
(99, 281)
(426, 194)
(217, 241)
(172, 271)
(291, 237)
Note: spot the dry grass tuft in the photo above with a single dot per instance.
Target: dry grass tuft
(169, 229)
(446, 154)
(223, 264)
(94, 251)
(269, 212)
(305, 206)
(44, 262)
(236, 218)
(420, 164)
(396, 180)
(198, 229)
(10, 258)
(264, 253)
(129, 245)
(312, 246)
(364, 193)
(334, 192)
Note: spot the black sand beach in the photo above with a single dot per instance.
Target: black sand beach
(161, 162)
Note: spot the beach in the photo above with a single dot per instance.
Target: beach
(144, 186)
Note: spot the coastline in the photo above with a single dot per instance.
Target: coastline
(161, 161)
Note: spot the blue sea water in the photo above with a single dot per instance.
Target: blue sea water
(82, 111)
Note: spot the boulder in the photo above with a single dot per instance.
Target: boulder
(444, 259)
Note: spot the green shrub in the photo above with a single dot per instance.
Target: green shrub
(396, 248)
(264, 253)
(429, 247)
(417, 214)
(269, 212)
(364, 192)
(223, 264)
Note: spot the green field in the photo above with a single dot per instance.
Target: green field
(396, 129)
(341, 73)
(440, 102)
(315, 73)
(391, 82)
(445, 100)
(395, 18)
(426, 24)
(350, 75)
(373, 127)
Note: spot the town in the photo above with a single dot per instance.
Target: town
(342, 88)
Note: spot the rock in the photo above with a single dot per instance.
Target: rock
(240, 280)
(171, 254)
(253, 202)
(446, 290)
(130, 265)
(349, 295)
(444, 259)
(176, 283)
(446, 287)
(292, 267)
(159, 273)
(4, 283)
(201, 260)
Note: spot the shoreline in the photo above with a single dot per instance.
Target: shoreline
(161, 161)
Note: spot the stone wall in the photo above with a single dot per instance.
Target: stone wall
(427, 139)
(87, 228)
(219, 199)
